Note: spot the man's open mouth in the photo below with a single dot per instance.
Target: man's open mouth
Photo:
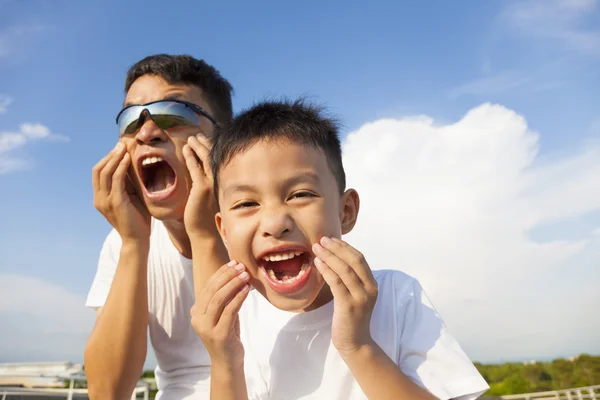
(157, 176)
(286, 271)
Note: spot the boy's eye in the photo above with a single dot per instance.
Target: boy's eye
(299, 195)
(245, 204)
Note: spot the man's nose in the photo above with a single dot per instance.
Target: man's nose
(149, 132)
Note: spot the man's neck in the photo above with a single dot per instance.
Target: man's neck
(179, 237)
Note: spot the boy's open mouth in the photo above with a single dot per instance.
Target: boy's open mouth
(286, 271)
(157, 176)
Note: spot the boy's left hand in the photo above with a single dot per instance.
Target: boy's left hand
(354, 291)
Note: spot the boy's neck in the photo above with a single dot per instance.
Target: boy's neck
(324, 297)
(179, 237)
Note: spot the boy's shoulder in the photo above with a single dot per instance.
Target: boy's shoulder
(394, 282)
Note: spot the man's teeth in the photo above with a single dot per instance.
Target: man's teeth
(303, 269)
(282, 256)
(151, 160)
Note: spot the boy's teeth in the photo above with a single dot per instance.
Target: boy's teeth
(282, 256)
(291, 280)
(151, 160)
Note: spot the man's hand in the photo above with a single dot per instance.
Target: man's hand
(201, 207)
(354, 290)
(215, 315)
(115, 198)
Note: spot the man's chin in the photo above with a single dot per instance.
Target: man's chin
(167, 212)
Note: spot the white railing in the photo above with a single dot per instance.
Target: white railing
(581, 393)
(63, 393)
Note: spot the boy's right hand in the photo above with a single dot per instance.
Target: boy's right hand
(215, 315)
(115, 198)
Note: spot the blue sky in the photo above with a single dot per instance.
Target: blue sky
(62, 68)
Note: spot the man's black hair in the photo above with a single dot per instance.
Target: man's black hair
(296, 121)
(188, 70)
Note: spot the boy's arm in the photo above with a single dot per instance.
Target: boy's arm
(355, 293)
(380, 378)
(227, 383)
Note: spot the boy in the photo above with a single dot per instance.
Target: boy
(334, 329)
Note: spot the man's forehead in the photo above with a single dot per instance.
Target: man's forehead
(149, 88)
(145, 98)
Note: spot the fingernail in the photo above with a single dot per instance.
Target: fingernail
(119, 146)
(317, 247)
(199, 135)
(318, 261)
(232, 263)
(239, 267)
(243, 276)
(245, 287)
(325, 241)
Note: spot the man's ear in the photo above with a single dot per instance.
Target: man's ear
(221, 228)
(349, 205)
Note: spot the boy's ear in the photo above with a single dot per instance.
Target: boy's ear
(221, 228)
(349, 205)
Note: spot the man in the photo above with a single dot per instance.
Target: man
(144, 277)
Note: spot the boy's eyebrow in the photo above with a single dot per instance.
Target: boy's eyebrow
(238, 188)
(306, 176)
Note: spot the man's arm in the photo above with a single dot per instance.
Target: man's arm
(116, 349)
(220, 288)
(380, 378)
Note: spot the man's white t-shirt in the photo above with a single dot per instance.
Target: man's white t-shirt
(183, 364)
(288, 355)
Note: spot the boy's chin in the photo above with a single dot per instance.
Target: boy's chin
(307, 302)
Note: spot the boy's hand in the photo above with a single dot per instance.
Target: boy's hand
(354, 291)
(215, 315)
(116, 199)
(201, 207)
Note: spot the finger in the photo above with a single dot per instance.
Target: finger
(201, 148)
(99, 167)
(216, 282)
(109, 169)
(120, 175)
(337, 286)
(231, 310)
(192, 164)
(223, 296)
(345, 272)
(350, 256)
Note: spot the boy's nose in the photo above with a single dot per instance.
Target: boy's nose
(276, 224)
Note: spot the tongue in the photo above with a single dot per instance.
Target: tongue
(286, 269)
(162, 179)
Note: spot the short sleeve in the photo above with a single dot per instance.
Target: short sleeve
(107, 265)
(430, 355)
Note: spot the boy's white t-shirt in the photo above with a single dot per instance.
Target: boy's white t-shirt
(404, 324)
(183, 364)
(290, 355)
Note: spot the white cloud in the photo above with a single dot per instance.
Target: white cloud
(454, 206)
(41, 321)
(5, 101)
(16, 37)
(10, 141)
(557, 20)
(506, 82)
